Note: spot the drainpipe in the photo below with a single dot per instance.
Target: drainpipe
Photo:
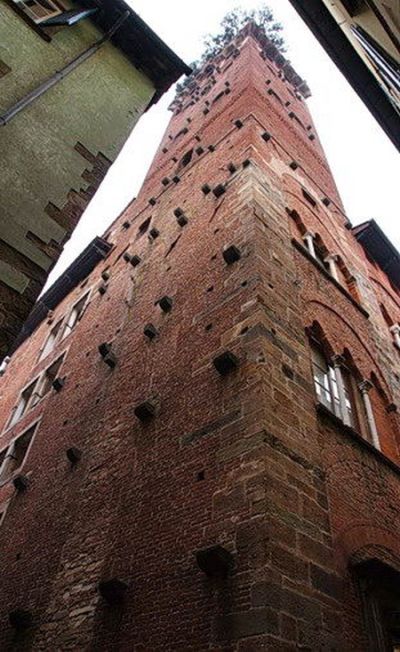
(60, 74)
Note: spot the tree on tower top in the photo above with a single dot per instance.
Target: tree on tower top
(230, 26)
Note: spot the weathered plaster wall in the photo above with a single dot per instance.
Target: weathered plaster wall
(41, 170)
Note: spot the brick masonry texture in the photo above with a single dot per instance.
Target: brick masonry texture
(243, 460)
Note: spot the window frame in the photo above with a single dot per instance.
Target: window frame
(353, 409)
(32, 426)
(84, 297)
(43, 352)
(43, 378)
(14, 420)
(37, 20)
(37, 384)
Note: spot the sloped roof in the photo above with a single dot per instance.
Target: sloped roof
(378, 247)
(139, 43)
(73, 275)
(325, 28)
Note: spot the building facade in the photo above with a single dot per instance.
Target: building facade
(200, 440)
(74, 81)
(363, 39)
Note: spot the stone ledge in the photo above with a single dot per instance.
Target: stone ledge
(328, 276)
(324, 413)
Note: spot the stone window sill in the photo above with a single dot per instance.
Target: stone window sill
(324, 414)
(328, 276)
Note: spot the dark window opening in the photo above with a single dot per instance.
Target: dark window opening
(389, 321)
(378, 585)
(172, 246)
(309, 198)
(143, 227)
(185, 160)
(218, 97)
(294, 117)
(182, 132)
(275, 95)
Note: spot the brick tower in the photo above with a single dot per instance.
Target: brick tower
(200, 440)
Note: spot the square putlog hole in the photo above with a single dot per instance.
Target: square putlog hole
(215, 561)
(226, 363)
(113, 590)
(145, 411)
(150, 331)
(219, 190)
(165, 304)
(135, 260)
(182, 220)
(231, 254)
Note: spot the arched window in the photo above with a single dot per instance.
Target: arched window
(340, 389)
(335, 387)
(393, 327)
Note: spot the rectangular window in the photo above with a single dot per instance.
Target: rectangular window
(45, 383)
(75, 315)
(51, 340)
(23, 403)
(39, 10)
(14, 456)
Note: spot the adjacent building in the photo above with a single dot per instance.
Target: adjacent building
(74, 78)
(363, 39)
(200, 432)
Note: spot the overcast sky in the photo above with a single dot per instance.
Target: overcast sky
(365, 164)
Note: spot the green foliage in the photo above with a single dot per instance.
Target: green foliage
(230, 26)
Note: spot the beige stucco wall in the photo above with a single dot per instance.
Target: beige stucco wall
(97, 105)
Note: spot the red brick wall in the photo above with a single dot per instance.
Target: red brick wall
(243, 461)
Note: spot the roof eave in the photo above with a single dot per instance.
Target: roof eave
(329, 34)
